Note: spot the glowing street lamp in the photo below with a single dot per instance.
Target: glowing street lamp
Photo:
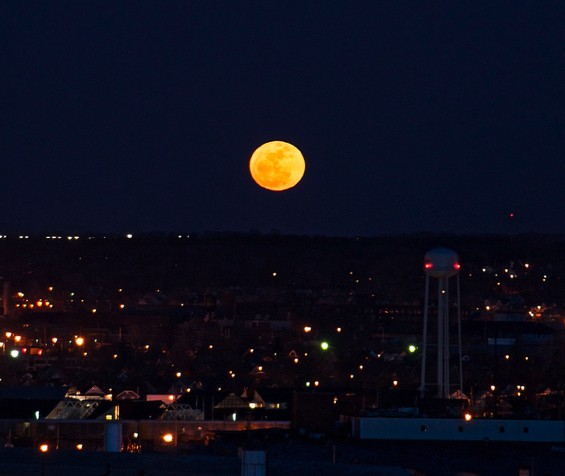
(43, 448)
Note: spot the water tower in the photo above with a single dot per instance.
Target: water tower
(441, 264)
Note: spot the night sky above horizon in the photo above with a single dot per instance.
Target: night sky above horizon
(141, 116)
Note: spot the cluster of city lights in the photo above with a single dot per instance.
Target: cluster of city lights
(510, 272)
(76, 237)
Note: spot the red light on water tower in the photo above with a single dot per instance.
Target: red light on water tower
(457, 266)
(441, 263)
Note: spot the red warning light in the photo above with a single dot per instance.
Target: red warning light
(428, 266)
(457, 266)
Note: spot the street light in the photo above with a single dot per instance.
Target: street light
(43, 448)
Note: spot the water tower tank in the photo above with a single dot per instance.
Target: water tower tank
(441, 263)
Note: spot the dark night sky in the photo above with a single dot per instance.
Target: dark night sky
(141, 116)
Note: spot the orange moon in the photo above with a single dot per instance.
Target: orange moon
(277, 166)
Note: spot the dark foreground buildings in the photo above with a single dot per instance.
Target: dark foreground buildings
(249, 328)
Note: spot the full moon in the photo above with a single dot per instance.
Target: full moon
(277, 166)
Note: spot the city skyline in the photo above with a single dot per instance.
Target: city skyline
(141, 116)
